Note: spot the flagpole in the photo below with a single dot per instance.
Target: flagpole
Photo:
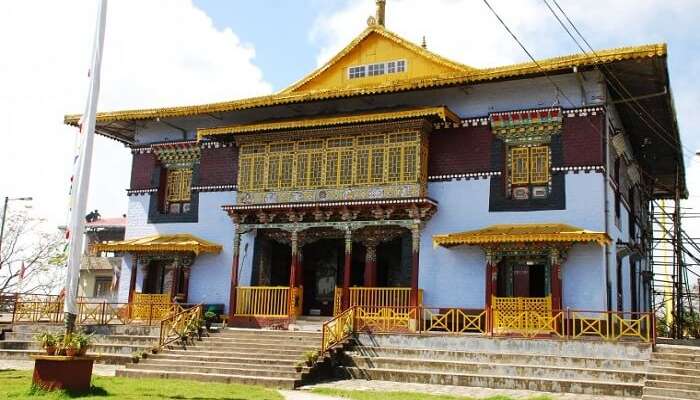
(81, 179)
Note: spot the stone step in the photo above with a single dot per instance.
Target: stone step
(674, 385)
(219, 351)
(263, 340)
(669, 348)
(227, 370)
(502, 382)
(231, 332)
(671, 377)
(504, 358)
(131, 329)
(184, 356)
(675, 364)
(254, 347)
(238, 354)
(674, 371)
(248, 363)
(494, 369)
(109, 348)
(279, 383)
(118, 359)
(676, 357)
(675, 393)
(112, 339)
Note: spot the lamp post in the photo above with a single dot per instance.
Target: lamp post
(4, 214)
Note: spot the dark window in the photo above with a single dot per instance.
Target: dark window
(103, 287)
(632, 214)
(633, 287)
(619, 284)
(616, 178)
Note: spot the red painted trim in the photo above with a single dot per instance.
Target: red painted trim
(234, 285)
(414, 278)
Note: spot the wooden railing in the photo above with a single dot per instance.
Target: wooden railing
(262, 301)
(527, 316)
(337, 329)
(371, 297)
(179, 326)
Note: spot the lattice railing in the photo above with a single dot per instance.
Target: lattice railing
(180, 325)
(263, 301)
(338, 329)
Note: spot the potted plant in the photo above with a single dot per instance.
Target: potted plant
(209, 317)
(48, 342)
(135, 357)
(311, 357)
(71, 346)
(84, 341)
(298, 366)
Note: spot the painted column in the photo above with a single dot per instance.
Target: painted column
(415, 246)
(175, 278)
(234, 270)
(556, 279)
(186, 283)
(347, 265)
(370, 264)
(294, 276)
(132, 281)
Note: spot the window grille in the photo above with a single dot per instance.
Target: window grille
(178, 186)
(539, 164)
(519, 173)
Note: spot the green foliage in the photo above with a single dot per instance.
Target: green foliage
(209, 315)
(311, 357)
(17, 385)
(47, 339)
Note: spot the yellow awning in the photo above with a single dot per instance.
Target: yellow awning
(181, 242)
(521, 233)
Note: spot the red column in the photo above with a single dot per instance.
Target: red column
(370, 264)
(488, 287)
(415, 246)
(234, 272)
(556, 286)
(347, 265)
(186, 284)
(132, 281)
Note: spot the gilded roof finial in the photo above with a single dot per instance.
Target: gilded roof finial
(381, 10)
(423, 43)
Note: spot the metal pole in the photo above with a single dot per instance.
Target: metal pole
(2, 225)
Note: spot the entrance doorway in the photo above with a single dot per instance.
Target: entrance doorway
(524, 277)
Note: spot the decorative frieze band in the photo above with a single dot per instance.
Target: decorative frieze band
(474, 175)
(484, 121)
(137, 192)
(577, 169)
(215, 188)
(215, 145)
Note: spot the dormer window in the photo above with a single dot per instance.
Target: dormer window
(376, 69)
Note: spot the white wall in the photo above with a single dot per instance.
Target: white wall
(455, 276)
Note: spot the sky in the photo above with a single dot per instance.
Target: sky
(176, 52)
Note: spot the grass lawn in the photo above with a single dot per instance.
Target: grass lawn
(376, 395)
(17, 385)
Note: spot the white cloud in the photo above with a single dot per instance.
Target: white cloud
(157, 53)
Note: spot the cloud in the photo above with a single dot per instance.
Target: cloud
(157, 53)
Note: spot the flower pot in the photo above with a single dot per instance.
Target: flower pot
(71, 351)
(50, 350)
(82, 351)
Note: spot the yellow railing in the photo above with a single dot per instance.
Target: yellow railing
(372, 297)
(386, 319)
(611, 325)
(338, 329)
(180, 325)
(525, 315)
(262, 301)
(152, 306)
(455, 320)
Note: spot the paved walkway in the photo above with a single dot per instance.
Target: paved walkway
(384, 386)
(97, 369)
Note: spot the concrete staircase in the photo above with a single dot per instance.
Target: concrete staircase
(673, 374)
(580, 367)
(115, 344)
(248, 356)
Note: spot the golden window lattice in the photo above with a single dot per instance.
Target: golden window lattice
(539, 164)
(331, 162)
(179, 183)
(519, 159)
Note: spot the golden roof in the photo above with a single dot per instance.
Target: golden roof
(462, 75)
(442, 113)
(521, 233)
(181, 242)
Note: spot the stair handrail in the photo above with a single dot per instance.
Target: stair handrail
(179, 325)
(338, 329)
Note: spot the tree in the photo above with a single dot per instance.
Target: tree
(32, 260)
